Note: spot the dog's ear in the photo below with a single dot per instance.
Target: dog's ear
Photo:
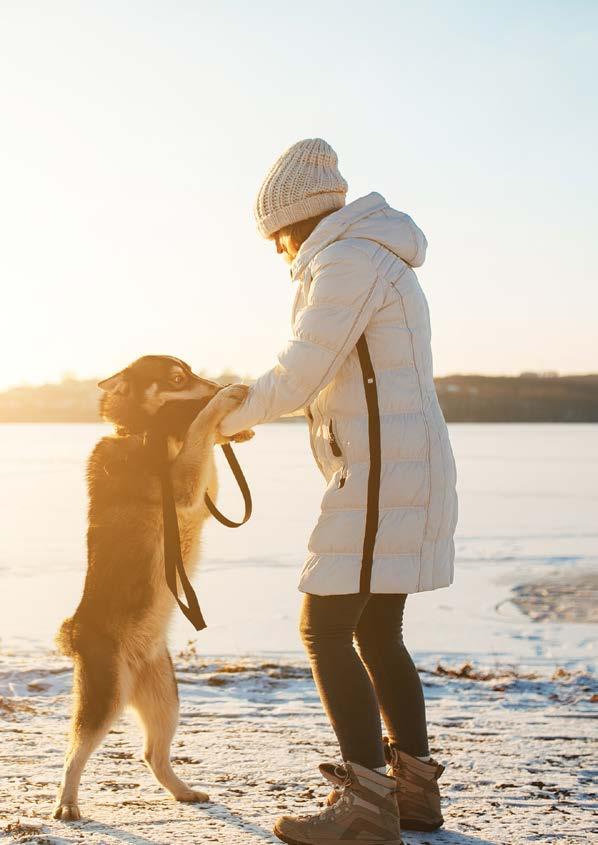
(116, 384)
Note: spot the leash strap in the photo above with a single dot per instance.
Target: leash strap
(173, 559)
(243, 487)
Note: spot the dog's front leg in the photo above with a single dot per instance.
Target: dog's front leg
(192, 468)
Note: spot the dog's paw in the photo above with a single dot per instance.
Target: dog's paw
(192, 796)
(234, 394)
(67, 812)
(227, 399)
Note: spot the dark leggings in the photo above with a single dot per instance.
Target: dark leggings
(356, 691)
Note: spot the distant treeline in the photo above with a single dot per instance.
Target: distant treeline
(525, 398)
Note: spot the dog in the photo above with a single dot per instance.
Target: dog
(117, 636)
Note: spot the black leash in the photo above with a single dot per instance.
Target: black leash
(173, 559)
(243, 487)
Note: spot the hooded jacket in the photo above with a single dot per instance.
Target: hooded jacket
(360, 363)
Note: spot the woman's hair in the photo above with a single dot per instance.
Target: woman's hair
(300, 232)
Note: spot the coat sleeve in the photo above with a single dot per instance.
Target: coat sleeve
(343, 295)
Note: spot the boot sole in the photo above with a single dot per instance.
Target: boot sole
(415, 824)
(289, 841)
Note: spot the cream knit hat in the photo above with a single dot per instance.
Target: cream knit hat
(304, 182)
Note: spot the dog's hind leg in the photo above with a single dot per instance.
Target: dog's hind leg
(99, 689)
(156, 701)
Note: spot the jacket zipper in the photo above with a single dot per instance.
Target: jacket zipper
(336, 449)
(338, 453)
(373, 496)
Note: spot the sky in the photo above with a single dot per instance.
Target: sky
(135, 137)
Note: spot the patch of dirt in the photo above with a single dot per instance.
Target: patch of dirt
(572, 598)
(10, 708)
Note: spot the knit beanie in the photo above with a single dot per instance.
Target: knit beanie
(304, 182)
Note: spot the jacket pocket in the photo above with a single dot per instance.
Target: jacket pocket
(338, 453)
(336, 449)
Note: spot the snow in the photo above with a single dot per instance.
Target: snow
(509, 678)
(518, 750)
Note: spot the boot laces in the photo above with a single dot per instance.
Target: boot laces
(340, 806)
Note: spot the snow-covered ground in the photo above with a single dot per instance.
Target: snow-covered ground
(510, 707)
(518, 750)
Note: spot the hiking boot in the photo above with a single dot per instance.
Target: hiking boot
(365, 812)
(336, 774)
(417, 793)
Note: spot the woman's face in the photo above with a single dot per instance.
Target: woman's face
(285, 246)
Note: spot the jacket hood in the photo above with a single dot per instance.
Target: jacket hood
(369, 217)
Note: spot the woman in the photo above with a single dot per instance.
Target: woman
(359, 361)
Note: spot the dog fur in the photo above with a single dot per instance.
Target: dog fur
(117, 636)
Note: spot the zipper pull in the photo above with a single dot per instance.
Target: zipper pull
(336, 451)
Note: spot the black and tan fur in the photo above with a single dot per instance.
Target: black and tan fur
(117, 636)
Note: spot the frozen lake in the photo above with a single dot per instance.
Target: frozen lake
(528, 506)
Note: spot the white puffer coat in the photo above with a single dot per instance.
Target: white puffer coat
(360, 362)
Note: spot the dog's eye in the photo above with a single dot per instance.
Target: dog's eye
(177, 379)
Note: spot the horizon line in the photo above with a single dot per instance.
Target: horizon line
(68, 378)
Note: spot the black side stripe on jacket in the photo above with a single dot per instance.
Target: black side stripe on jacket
(373, 501)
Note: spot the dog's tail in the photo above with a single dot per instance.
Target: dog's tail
(64, 638)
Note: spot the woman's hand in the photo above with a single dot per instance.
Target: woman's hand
(240, 436)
